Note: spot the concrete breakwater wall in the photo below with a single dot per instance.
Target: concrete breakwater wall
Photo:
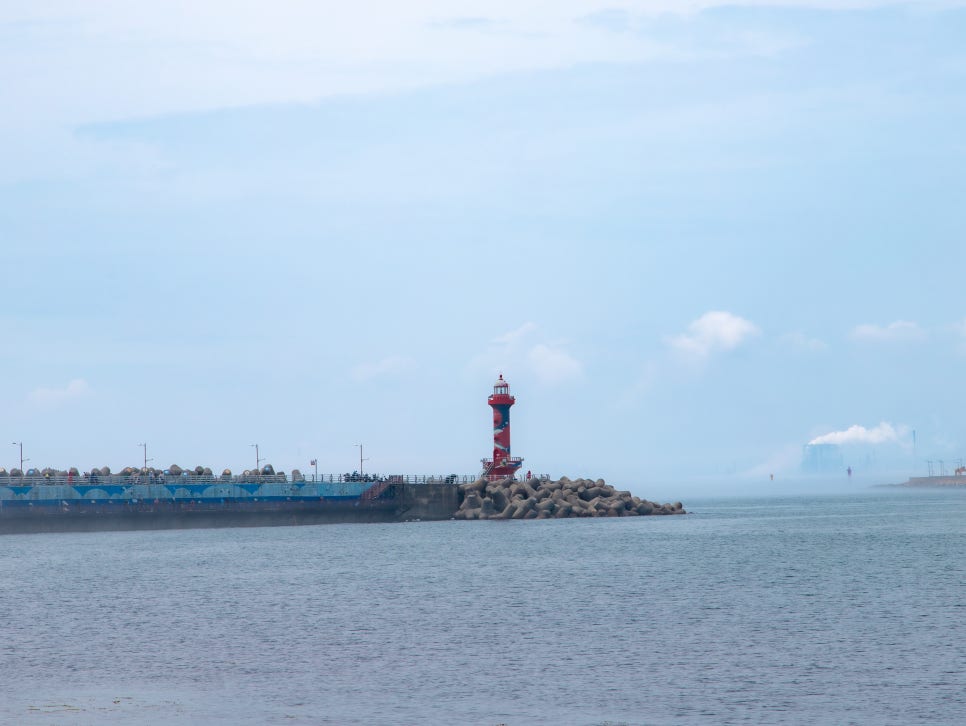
(428, 501)
(548, 499)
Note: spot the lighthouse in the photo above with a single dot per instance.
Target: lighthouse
(502, 465)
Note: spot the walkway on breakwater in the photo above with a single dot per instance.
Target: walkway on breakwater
(64, 478)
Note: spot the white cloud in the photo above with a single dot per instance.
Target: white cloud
(523, 348)
(200, 56)
(899, 331)
(881, 434)
(53, 397)
(391, 366)
(800, 341)
(714, 331)
(515, 336)
(64, 64)
(552, 365)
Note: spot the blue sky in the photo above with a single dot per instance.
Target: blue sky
(693, 236)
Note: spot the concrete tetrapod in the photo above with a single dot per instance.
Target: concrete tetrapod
(546, 499)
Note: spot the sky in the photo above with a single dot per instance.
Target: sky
(694, 236)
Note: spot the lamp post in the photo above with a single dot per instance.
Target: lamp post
(146, 459)
(22, 460)
(360, 459)
(258, 461)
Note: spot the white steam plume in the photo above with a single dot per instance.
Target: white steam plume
(881, 434)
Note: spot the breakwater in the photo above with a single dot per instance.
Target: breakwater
(949, 480)
(548, 499)
(99, 500)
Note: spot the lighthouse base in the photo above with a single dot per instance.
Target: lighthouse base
(505, 469)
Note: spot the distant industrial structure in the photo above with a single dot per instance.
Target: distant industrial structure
(822, 459)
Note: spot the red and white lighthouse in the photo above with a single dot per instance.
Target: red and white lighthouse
(502, 465)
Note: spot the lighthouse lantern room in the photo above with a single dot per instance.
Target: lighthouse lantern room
(502, 465)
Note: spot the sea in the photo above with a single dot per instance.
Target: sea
(822, 609)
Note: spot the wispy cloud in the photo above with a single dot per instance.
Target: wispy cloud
(553, 365)
(466, 23)
(392, 366)
(547, 361)
(714, 331)
(45, 397)
(799, 341)
(515, 336)
(616, 20)
(899, 331)
(881, 434)
(291, 50)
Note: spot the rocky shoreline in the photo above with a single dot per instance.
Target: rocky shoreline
(553, 499)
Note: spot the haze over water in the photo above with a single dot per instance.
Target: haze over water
(836, 609)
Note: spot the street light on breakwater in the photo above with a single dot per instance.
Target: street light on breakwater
(146, 459)
(22, 460)
(258, 461)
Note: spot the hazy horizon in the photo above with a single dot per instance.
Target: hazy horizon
(694, 237)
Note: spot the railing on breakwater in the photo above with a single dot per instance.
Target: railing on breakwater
(186, 478)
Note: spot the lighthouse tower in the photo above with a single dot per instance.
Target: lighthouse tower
(502, 465)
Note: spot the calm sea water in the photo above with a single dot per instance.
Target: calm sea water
(808, 610)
